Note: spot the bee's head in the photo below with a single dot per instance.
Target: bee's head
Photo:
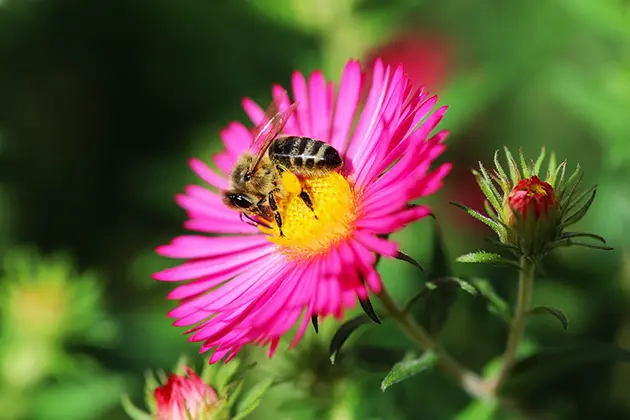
(237, 200)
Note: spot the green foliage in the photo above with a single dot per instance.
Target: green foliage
(99, 115)
(548, 310)
(409, 367)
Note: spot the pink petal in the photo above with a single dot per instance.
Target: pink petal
(196, 269)
(253, 111)
(208, 175)
(196, 246)
(346, 105)
(302, 113)
(319, 107)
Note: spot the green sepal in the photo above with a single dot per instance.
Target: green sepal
(572, 242)
(343, 333)
(495, 226)
(548, 310)
(132, 411)
(151, 383)
(409, 367)
(484, 257)
(579, 214)
(538, 164)
(224, 375)
(252, 399)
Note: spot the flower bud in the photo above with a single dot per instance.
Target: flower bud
(531, 195)
(183, 397)
(529, 215)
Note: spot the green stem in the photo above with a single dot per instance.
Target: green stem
(525, 288)
(469, 381)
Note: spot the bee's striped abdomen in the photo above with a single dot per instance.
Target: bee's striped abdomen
(305, 153)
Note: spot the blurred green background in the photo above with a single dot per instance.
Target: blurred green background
(102, 103)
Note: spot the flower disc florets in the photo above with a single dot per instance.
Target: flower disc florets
(530, 215)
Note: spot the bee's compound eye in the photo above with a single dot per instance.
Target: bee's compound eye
(240, 201)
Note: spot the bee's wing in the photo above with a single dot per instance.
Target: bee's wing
(271, 125)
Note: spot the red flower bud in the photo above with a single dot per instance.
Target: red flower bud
(184, 397)
(532, 194)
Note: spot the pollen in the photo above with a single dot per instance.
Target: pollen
(307, 232)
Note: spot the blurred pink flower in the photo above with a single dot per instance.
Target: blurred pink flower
(427, 58)
(250, 285)
(184, 397)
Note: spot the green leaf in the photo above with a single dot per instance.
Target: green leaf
(252, 399)
(486, 220)
(567, 235)
(132, 411)
(408, 368)
(484, 257)
(539, 161)
(579, 214)
(496, 304)
(524, 166)
(343, 333)
(225, 374)
(552, 362)
(548, 310)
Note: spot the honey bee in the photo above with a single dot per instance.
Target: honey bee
(256, 180)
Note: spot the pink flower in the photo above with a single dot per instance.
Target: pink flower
(250, 285)
(184, 397)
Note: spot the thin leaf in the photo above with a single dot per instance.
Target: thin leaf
(132, 411)
(502, 173)
(567, 235)
(343, 333)
(524, 166)
(404, 257)
(551, 169)
(484, 257)
(367, 307)
(493, 195)
(571, 183)
(548, 310)
(579, 214)
(571, 242)
(224, 375)
(514, 175)
(315, 322)
(539, 161)
(489, 222)
(252, 399)
(408, 368)
(579, 199)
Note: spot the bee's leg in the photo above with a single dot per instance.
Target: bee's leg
(307, 200)
(292, 184)
(276, 213)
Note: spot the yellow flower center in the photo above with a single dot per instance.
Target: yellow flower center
(537, 189)
(308, 233)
